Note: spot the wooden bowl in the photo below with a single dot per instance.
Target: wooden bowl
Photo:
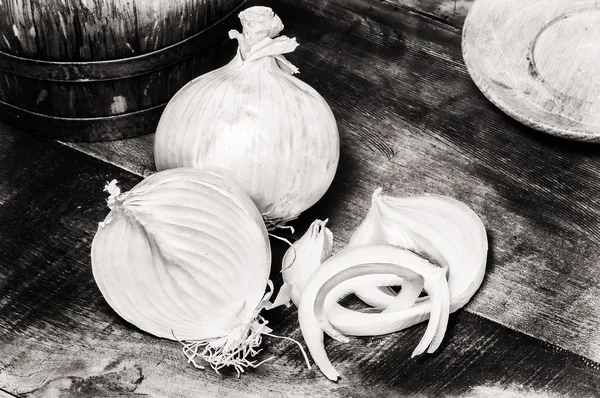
(92, 70)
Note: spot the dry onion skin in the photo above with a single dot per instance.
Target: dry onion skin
(301, 260)
(185, 255)
(254, 123)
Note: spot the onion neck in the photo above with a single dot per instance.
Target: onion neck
(258, 23)
(258, 40)
(114, 201)
(268, 64)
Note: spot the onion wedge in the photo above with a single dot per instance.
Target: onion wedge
(439, 228)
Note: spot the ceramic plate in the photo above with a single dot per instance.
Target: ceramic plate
(538, 61)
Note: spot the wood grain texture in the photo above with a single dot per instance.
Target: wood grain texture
(412, 121)
(450, 12)
(88, 71)
(58, 337)
(539, 62)
(94, 30)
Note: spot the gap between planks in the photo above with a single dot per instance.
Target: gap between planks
(6, 394)
(433, 17)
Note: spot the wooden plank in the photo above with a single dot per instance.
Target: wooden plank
(58, 337)
(413, 122)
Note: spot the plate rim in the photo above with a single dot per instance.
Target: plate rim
(497, 99)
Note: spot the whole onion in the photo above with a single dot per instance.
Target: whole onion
(254, 123)
(185, 255)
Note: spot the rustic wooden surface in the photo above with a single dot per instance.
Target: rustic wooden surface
(411, 121)
(539, 61)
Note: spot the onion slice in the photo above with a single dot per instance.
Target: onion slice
(364, 260)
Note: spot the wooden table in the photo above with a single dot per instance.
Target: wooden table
(411, 121)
